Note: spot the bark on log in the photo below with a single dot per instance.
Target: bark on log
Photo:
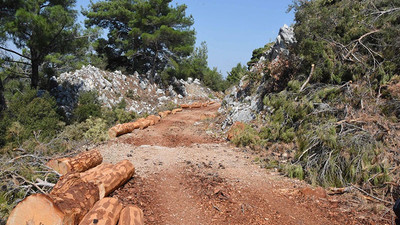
(154, 118)
(211, 103)
(70, 199)
(195, 105)
(104, 212)
(176, 110)
(144, 124)
(185, 106)
(131, 215)
(167, 112)
(109, 177)
(204, 104)
(162, 114)
(79, 163)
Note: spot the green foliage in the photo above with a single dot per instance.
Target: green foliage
(143, 35)
(97, 131)
(196, 66)
(28, 114)
(88, 106)
(39, 28)
(247, 137)
(348, 40)
(236, 74)
(257, 53)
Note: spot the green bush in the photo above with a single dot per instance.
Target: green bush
(28, 115)
(88, 106)
(247, 137)
(97, 131)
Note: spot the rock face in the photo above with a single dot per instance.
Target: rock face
(243, 102)
(138, 92)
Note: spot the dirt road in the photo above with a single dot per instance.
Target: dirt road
(185, 175)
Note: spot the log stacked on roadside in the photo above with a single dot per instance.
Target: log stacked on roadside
(79, 163)
(131, 215)
(72, 196)
(104, 212)
(65, 205)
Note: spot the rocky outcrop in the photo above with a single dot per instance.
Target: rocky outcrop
(138, 92)
(243, 102)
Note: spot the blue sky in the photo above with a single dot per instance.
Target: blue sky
(233, 28)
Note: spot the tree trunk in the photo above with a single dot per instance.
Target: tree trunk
(2, 100)
(79, 163)
(68, 202)
(131, 215)
(35, 74)
(104, 212)
(109, 177)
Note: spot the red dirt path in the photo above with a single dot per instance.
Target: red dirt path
(185, 175)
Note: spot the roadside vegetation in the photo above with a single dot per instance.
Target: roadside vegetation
(339, 128)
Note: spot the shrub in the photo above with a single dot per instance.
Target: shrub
(97, 131)
(88, 106)
(27, 113)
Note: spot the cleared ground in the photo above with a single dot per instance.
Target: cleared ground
(185, 175)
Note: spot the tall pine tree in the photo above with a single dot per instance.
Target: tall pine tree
(38, 28)
(143, 35)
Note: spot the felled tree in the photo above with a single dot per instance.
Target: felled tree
(143, 35)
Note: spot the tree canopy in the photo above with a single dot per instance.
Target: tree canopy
(38, 28)
(143, 35)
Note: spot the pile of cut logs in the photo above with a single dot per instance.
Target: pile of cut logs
(151, 120)
(80, 195)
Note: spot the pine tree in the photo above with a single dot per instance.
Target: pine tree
(143, 35)
(38, 28)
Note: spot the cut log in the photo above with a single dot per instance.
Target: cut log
(74, 196)
(144, 124)
(167, 112)
(37, 209)
(195, 105)
(70, 199)
(176, 110)
(124, 128)
(104, 212)
(211, 103)
(79, 163)
(154, 118)
(109, 177)
(185, 106)
(131, 215)
(162, 114)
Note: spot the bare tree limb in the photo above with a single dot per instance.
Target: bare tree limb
(14, 52)
(308, 79)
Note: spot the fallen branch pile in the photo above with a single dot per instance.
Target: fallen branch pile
(79, 195)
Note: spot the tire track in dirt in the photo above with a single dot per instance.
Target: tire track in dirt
(186, 176)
